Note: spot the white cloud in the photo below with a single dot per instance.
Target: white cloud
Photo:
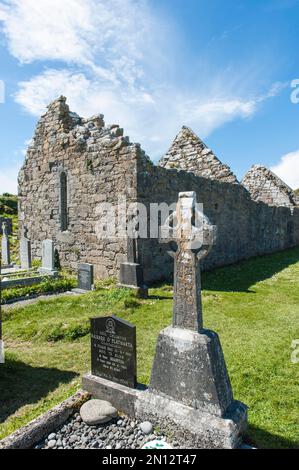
(118, 58)
(153, 118)
(214, 113)
(288, 169)
(111, 37)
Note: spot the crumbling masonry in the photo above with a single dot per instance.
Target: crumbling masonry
(74, 164)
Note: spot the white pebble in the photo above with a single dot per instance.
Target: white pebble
(146, 427)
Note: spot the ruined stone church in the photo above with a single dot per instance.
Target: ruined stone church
(74, 164)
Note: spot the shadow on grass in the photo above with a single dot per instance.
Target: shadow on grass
(160, 297)
(264, 440)
(21, 385)
(240, 277)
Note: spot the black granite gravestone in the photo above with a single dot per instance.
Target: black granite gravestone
(85, 277)
(113, 350)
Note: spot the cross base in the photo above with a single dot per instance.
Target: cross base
(189, 367)
(194, 429)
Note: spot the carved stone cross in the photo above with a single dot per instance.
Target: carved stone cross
(24, 232)
(131, 246)
(190, 230)
(5, 229)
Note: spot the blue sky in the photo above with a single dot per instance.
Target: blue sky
(223, 68)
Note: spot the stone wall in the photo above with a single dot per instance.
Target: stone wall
(99, 164)
(245, 228)
(74, 164)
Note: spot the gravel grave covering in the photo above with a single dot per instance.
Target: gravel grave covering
(120, 433)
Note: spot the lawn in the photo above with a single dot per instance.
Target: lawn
(254, 306)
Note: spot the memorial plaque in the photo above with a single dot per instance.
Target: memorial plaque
(85, 276)
(113, 350)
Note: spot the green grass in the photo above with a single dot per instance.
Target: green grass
(254, 306)
(9, 204)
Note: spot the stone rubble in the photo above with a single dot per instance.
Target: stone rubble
(119, 433)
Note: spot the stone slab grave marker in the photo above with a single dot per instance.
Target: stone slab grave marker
(5, 246)
(190, 394)
(131, 272)
(48, 258)
(85, 278)
(25, 250)
(113, 350)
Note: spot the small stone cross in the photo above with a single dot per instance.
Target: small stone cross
(131, 246)
(190, 230)
(5, 245)
(5, 229)
(24, 232)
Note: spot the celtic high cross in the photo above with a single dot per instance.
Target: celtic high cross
(191, 236)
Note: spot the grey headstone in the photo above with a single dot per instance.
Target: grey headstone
(5, 245)
(85, 277)
(48, 259)
(25, 251)
(131, 275)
